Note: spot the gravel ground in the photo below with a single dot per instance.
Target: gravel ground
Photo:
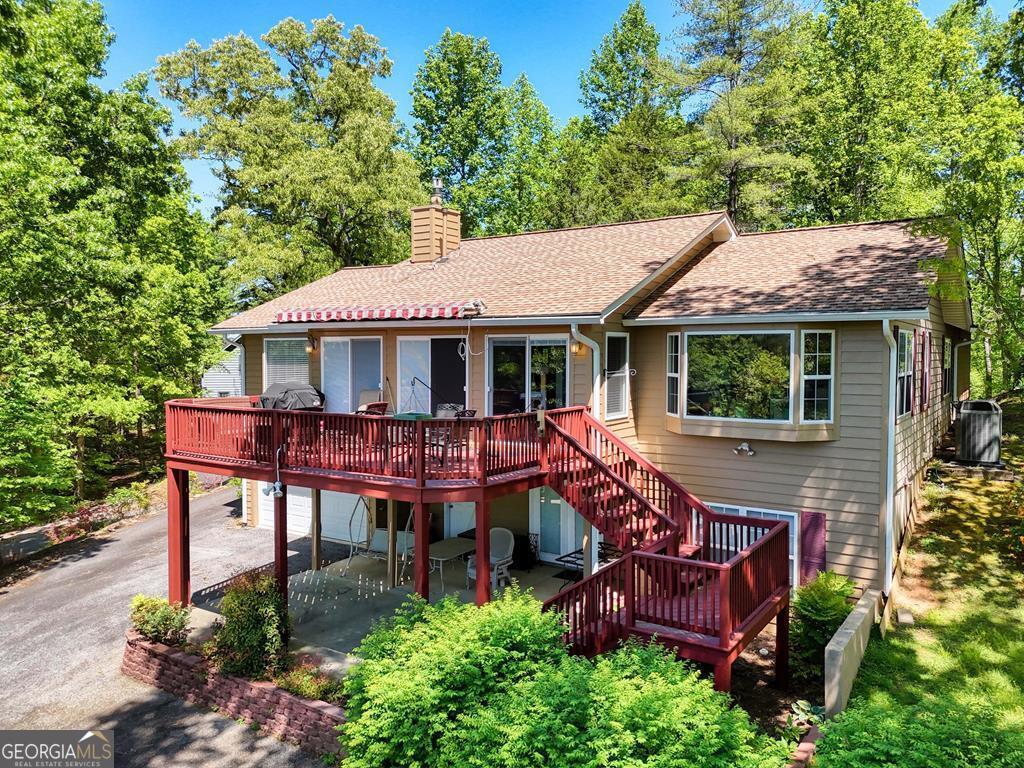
(62, 634)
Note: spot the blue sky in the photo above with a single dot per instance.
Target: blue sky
(549, 41)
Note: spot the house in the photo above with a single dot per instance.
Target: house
(728, 388)
(224, 378)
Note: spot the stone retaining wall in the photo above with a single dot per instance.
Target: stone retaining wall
(308, 724)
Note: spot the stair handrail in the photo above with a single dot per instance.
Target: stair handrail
(646, 463)
(604, 468)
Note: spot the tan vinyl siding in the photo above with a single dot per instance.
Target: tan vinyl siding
(918, 432)
(839, 477)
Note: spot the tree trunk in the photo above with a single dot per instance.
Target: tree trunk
(988, 367)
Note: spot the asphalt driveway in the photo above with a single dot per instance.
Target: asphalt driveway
(62, 635)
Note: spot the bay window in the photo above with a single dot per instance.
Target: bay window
(818, 374)
(672, 375)
(739, 375)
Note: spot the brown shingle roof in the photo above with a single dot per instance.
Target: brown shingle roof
(835, 269)
(555, 272)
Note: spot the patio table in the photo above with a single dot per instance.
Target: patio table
(442, 551)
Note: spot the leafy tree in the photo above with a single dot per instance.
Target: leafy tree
(517, 183)
(568, 197)
(460, 120)
(109, 278)
(731, 65)
(305, 146)
(624, 70)
(867, 70)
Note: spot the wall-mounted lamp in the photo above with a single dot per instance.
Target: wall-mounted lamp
(311, 344)
(744, 449)
(575, 347)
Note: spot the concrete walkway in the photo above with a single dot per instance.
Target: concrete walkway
(62, 635)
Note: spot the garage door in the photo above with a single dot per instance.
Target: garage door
(300, 509)
(343, 517)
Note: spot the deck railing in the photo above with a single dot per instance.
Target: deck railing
(232, 431)
(690, 595)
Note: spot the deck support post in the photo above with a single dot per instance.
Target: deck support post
(316, 531)
(483, 551)
(421, 567)
(178, 587)
(782, 647)
(392, 544)
(723, 675)
(281, 542)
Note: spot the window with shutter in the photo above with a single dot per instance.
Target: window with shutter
(285, 360)
(616, 386)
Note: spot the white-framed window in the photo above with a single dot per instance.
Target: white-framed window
(616, 384)
(285, 360)
(672, 374)
(739, 375)
(772, 514)
(926, 368)
(818, 376)
(947, 365)
(904, 372)
(527, 373)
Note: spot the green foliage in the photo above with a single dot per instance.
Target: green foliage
(624, 70)
(1013, 516)
(305, 145)
(307, 680)
(252, 641)
(819, 608)
(159, 620)
(451, 684)
(735, 63)
(108, 279)
(460, 118)
(870, 735)
(129, 498)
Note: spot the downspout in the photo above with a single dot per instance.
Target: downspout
(595, 354)
(890, 457)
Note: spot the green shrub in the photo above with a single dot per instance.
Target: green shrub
(159, 620)
(880, 734)
(307, 680)
(1013, 515)
(252, 640)
(452, 684)
(819, 608)
(129, 498)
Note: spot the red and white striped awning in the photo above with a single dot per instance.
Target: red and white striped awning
(438, 311)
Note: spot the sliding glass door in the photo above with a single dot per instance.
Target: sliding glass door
(527, 374)
(350, 373)
(431, 373)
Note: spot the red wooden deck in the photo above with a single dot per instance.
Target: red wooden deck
(702, 583)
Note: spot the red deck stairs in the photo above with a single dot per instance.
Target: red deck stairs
(701, 583)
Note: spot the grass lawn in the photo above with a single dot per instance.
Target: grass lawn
(966, 592)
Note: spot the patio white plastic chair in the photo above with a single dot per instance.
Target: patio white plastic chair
(503, 542)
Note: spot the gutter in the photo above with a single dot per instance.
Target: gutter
(780, 317)
(890, 457)
(596, 358)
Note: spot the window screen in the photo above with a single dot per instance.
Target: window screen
(285, 360)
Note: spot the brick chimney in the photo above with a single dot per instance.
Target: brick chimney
(436, 231)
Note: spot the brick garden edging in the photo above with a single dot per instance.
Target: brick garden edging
(308, 724)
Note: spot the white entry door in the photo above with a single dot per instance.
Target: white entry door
(558, 528)
(459, 516)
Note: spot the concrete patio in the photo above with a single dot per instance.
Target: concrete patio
(333, 608)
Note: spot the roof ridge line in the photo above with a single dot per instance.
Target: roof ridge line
(833, 226)
(595, 226)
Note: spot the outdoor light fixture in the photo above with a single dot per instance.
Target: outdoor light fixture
(574, 347)
(273, 489)
(311, 344)
(743, 449)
